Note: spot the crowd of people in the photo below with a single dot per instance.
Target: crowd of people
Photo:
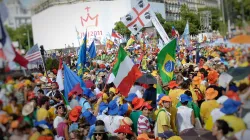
(32, 107)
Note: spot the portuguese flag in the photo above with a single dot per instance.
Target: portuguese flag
(124, 73)
(166, 61)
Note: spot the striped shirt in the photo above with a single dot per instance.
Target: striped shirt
(143, 125)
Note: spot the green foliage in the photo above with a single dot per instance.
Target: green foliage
(121, 28)
(236, 11)
(51, 64)
(21, 35)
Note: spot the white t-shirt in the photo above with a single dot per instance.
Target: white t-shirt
(216, 114)
(184, 118)
(57, 120)
(111, 122)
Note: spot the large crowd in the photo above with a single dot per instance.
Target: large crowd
(194, 104)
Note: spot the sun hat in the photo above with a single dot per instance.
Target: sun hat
(160, 96)
(184, 97)
(14, 124)
(126, 121)
(196, 80)
(137, 103)
(51, 75)
(222, 99)
(175, 138)
(172, 84)
(45, 137)
(99, 129)
(147, 105)
(232, 95)
(90, 118)
(113, 107)
(230, 106)
(211, 93)
(165, 98)
(143, 136)
(124, 129)
(73, 126)
(4, 118)
(75, 113)
(28, 108)
(123, 109)
(212, 77)
(130, 97)
(87, 92)
(44, 79)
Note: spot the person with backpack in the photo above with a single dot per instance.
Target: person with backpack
(197, 89)
(162, 126)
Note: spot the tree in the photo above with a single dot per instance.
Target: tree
(122, 29)
(20, 35)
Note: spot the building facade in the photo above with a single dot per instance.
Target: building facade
(17, 14)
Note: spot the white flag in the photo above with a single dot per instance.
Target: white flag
(138, 17)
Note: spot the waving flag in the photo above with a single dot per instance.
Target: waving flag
(166, 61)
(124, 73)
(70, 80)
(115, 34)
(34, 55)
(186, 35)
(138, 17)
(9, 52)
(82, 56)
(91, 50)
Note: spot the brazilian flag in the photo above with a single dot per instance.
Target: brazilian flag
(166, 61)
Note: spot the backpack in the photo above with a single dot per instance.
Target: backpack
(198, 94)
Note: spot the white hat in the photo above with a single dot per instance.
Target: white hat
(222, 99)
(196, 69)
(28, 108)
(44, 79)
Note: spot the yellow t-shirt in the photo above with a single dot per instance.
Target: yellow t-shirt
(163, 119)
(173, 112)
(194, 96)
(42, 114)
(52, 113)
(174, 95)
(209, 123)
(206, 108)
(236, 123)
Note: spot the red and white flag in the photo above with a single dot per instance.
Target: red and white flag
(138, 17)
(59, 77)
(115, 34)
(9, 52)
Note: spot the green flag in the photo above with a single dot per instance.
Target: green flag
(159, 89)
(166, 61)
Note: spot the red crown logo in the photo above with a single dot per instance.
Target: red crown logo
(93, 20)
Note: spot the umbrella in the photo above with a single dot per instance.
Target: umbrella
(239, 73)
(88, 83)
(197, 134)
(241, 39)
(147, 79)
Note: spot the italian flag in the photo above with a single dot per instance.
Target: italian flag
(124, 73)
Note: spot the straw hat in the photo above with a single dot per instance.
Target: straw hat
(126, 121)
(44, 79)
(211, 93)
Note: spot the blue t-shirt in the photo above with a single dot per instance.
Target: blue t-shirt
(84, 104)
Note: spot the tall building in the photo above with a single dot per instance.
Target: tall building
(17, 14)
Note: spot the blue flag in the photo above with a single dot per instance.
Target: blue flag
(70, 81)
(186, 35)
(82, 58)
(91, 50)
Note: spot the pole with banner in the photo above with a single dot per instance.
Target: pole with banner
(159, 28)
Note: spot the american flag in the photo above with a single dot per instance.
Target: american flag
(34, 54)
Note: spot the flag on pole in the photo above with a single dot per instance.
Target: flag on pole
(138, 17)
(92, 50)
(59, 77)
(70, 81)
(160, 44)
(9, 52)
(186, 35)
(124, 73)
(34, 55)
(82, 58)
(115, 34)
(166, 61)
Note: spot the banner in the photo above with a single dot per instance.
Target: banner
(159, 28)
(138, 17)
